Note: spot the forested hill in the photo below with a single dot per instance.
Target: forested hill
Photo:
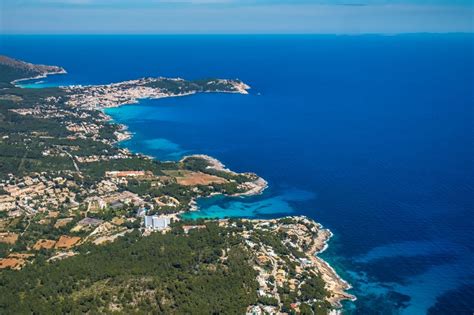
(12, 69)
(169, 273)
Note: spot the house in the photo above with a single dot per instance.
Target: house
(295, 307)
(90, 222)
(167, 201)
(141, 212)
(62, 222)
(15, 213)
(280, 277)
(116, 205)
(188, 228)
(263, 259)
(123, 198)
(156, 223)
(305, 262)
(95, 203)
(7, 203)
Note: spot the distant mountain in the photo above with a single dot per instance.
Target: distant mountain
(12, 69)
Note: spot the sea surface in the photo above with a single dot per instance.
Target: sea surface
(370, 135)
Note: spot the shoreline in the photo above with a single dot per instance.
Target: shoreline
(259, 185)
(40, 76)
(334, 283)
(254, 188)
(130, 92)
(157, 97)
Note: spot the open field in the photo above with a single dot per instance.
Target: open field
(190, 178)
(67, 241)
(8, 238)
(12, 263)
(42, 243)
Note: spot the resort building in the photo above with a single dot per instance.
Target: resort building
(156, 223)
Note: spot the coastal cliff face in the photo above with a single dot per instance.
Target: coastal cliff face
(12, 69)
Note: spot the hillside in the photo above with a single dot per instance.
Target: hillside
(225, 267)
(12, 69)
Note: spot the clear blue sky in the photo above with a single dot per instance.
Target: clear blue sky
(234, 16)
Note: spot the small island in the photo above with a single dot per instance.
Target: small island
(88, 226)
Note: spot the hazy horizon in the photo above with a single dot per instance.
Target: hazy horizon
(163, 17)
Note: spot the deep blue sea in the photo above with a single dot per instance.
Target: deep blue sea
(373, 136)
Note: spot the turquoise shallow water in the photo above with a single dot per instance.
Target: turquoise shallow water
(369, 135)
(266, 205)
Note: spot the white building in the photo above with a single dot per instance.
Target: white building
(156, 223)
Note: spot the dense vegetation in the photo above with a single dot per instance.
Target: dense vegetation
(23, 138)
(12, 69)
(209, 271)
(171, 273)
(182, 86)
(8, 74)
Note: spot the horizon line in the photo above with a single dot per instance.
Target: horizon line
(241, 34)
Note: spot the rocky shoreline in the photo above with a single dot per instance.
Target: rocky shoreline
(123, 93)
(295, 233)
(255, 187)
(334, 283)
(252, 188)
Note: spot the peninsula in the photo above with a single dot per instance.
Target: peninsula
(87, 226)
(16, 70)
